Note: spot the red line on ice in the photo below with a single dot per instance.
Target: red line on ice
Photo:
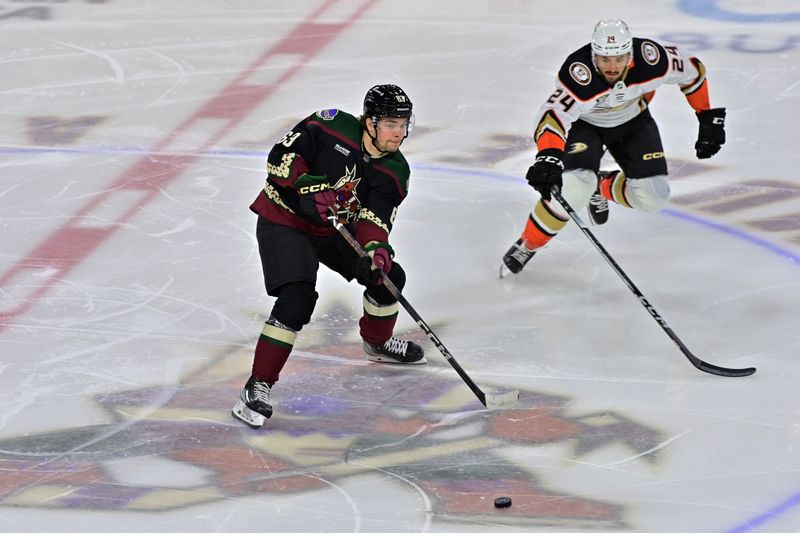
(72, 243)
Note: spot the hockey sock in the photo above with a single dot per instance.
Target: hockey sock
(613, 188)
(377, 323)
(543, 224)
(272, 350)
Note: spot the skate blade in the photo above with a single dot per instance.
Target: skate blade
(501, 400)
(389, 360)
(248, 416)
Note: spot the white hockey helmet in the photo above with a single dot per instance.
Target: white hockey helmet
(611, 38)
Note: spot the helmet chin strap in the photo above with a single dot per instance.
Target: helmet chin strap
(374, 138)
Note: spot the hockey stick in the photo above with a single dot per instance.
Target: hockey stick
(489, 400)
(696, 361)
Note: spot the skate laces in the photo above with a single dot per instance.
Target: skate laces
(598, 202)
(261, 391)
(396, 345)
(522, 253)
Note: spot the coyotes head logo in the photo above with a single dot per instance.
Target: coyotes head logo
(336, 417)
(346, 197)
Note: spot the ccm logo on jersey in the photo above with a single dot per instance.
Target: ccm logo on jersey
(308, 189)
(653, 155)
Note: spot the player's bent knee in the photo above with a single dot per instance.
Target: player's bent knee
(648, 194)
(578, 186)
(295, 304)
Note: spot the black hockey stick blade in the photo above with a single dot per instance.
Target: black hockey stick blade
(719, 370)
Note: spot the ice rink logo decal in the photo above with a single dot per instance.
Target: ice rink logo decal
(176, 447)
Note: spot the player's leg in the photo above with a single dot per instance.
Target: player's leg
(642, 181)
(380, 308)
(584, 149)
(290, 266)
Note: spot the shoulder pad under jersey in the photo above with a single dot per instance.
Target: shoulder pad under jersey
(578, 75)
(650, 61)
(338, 121)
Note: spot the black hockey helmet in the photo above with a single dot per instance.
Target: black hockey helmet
(387, 101)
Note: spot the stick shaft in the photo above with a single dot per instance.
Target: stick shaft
(696, 361)
(413, 313)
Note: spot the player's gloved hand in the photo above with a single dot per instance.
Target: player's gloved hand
(316, 198)
(712, 132)
(378, 259)
(546, 171)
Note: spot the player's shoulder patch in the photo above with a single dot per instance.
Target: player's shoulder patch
(328, 121)
(651, 52)
(578, 75)
(649, 59)
(581, 73)
(333, 116)
(327, 114)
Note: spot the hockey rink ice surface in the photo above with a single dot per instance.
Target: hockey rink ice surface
(133, 139)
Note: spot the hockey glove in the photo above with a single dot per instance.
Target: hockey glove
(546, 171)
(315, 198)
(378, 259)
(712, 132)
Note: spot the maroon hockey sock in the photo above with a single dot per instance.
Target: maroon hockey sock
(378, 321)
(272, 350)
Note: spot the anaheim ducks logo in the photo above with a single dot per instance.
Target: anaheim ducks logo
(178, 447)
(576, 148)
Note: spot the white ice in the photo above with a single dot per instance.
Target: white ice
(132, 141)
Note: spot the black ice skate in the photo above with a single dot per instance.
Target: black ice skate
(515, 258)
(395, 351)
(598, 204)
(253, 406)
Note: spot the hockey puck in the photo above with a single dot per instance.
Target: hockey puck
(502, 502)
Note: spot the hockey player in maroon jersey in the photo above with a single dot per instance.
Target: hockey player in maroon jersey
(601, 102)
(353, 166)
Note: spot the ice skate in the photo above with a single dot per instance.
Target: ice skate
(395, 351)
(515, 258)
(598, 204)
(253, 406)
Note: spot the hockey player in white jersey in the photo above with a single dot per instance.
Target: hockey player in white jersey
(601, 103)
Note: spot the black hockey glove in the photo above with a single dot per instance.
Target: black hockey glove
(378, 259)
(316, 198)
(546, 171)
(712, 132)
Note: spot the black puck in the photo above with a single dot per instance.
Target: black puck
(502, 502)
